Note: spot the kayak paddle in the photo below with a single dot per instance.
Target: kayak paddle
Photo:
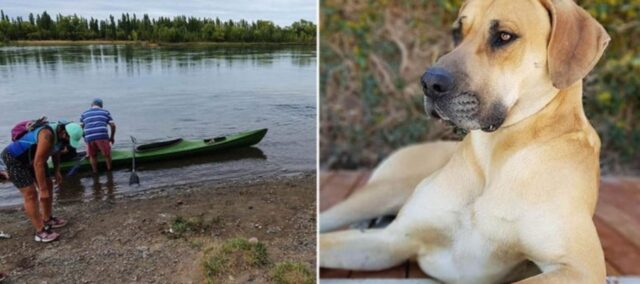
(75, 168)
(134, 177)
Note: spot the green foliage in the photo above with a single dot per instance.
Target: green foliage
(162, 29)
(373, 53)
(181, 226)
(612, 92)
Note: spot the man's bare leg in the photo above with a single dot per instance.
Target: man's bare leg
(93, 160)
(107, 158)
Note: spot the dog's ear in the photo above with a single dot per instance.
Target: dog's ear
(577, 41)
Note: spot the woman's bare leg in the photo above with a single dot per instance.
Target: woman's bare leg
(30, 196)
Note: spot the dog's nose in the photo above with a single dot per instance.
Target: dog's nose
(437, 82)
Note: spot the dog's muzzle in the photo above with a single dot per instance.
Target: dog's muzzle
(437, 83)
(444, 100)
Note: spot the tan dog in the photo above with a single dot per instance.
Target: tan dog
(521, 188)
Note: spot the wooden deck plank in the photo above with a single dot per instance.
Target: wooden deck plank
(611, 270)
(334, 273)
(363, 177)
(415, 271)
(619, 252)
(617, 221)
(337, 189)
(325, 178)
(617, 218)
(621, 195)
(630, 185)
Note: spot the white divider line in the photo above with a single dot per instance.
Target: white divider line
(610, 280)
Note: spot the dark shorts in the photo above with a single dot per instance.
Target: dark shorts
(21, 174)
(98, 145)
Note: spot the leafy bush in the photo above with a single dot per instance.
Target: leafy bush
(612, 92)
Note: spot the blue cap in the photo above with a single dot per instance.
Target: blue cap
(97, 102)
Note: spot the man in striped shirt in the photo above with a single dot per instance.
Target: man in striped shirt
(96, 135)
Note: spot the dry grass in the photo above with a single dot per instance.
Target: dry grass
(232, 258)
(291, 273)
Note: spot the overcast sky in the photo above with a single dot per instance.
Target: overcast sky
(281, 12)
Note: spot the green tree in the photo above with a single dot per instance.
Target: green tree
(130, 27)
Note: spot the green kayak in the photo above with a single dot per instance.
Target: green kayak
(171, 149)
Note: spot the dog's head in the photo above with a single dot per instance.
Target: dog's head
(510, 59)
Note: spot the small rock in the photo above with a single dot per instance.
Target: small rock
(253, 240)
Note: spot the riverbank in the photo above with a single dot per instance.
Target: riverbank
(168, 235)
(148, 43)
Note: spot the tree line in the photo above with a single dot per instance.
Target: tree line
(163, 29)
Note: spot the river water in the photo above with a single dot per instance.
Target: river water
(159, 93)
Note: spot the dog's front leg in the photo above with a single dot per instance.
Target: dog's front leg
(373, 249)
(376, 199)
(572, 254)
(391, 184)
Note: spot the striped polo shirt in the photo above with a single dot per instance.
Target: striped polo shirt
(95, 121)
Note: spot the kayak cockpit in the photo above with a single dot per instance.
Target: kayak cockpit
(215, 140)
(157, 145)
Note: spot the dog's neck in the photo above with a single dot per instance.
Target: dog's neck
(534, 100)
(563, 114)
(562, 105)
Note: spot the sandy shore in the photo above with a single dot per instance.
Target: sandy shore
(144, 238)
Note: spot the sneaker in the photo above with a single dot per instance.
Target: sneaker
(46, 235)
(56, 222)
(4, 235)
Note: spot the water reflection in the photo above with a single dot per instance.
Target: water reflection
(103, 191)
(135, 59)
(69, 189)
(101, 187)
(104, 186)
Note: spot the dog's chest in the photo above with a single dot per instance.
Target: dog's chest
(481, 242)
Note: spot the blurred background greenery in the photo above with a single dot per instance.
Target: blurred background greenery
(372, 54)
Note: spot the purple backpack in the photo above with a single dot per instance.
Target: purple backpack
(23, 127)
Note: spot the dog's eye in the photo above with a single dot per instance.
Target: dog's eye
(505, 37)
(501, 39)
(456, 33)
(457, 36)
